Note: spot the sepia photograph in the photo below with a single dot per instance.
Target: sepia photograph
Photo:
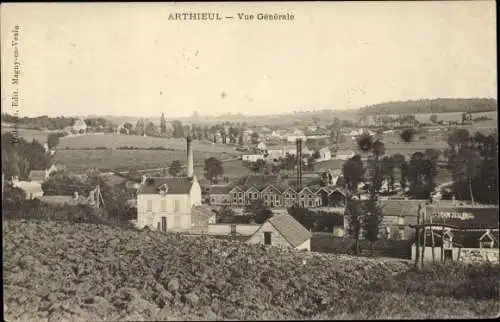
(205, 161)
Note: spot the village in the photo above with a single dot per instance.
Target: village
(258, 207)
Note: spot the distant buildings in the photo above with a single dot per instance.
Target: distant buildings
(80, 127)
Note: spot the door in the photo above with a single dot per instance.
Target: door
(164, 224)
(448, 254)
(267, 238)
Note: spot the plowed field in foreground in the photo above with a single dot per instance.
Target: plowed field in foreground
(63, 271)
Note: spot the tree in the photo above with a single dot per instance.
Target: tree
(387, 170)
(354, 221)
(129, 126)
(421, 173)
(303, 215)
(433, 118)
(13, 197)
(53, 140)
(178, 130)
(372, 220)
(213, 169)
(175, 168)
(255, 138)
(353, 172)
(163, 124)
(260, 212)
(258, 166)
(225, 215)
(140, 127)
(151, 129)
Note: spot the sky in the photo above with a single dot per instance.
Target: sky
(128, 59)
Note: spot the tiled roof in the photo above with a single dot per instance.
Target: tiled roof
(401, 207)
(37, 175)
(465, 217)
(261, 181)
(220, 190)
(290, 229)
(177, 185)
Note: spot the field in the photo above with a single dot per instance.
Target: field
(79, 160)
(113, 141)
(29, 135)
(63, 271)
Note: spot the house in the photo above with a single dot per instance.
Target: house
(344, 155)
(80, 127)
(463, 233)
(398, 215)
(307, 198)
(219, 195)
(282, 230)
(252, 157)
(166, 203)
(324, 155)
(201, 217)
(33, 189)
(332, 197)
(39, 176)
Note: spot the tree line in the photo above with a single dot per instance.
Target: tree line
(19, 157)
(440, 105)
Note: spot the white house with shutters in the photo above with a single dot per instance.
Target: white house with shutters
(167, 204)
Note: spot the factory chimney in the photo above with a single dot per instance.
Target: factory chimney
(299, 163)
(190, 169)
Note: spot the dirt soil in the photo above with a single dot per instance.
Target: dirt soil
(60, 271)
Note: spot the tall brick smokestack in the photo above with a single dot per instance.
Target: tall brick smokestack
(190, 166)
(299, 163)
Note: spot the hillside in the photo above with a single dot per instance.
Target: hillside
(440, 105)
(63, 271)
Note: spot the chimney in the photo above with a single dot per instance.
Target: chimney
(190, 169)
(299, 163)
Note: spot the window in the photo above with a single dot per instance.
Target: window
(240, 194)
(287, 195)
(149, 205)
(310, 203)
(177, 205)
(311, 196)
(265, 197)
(267, 238)
(402, 233)
(277, 202)
(163, 204)
(234, 195)
(212, 200)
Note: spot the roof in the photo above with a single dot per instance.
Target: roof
(460, 238)
(176, 185)
(261, 181)
(402, 208)
(37, 175)
(60, 200)
(291, 230)
(464, 217)
(202, 212)
(220, 190)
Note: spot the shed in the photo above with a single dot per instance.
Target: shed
(282, 230)
(38, 176)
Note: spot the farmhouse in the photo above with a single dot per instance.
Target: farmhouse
(32, 189)
(282, 230)
(344, 155)
(166, 203)
(324, 154)
(252, 157)
(80, 126)
(469, 234)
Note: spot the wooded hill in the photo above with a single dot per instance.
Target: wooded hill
(440, 105)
